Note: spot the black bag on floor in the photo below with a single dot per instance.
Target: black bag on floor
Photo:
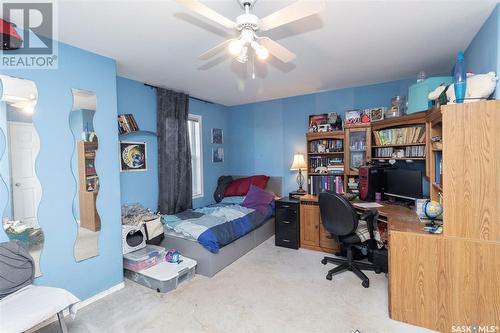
(17, 268)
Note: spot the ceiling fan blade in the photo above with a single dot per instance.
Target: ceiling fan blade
(207, 12)
(277, 50)
(294, 12)
(213, 51)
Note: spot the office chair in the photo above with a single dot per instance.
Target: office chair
(341, 220)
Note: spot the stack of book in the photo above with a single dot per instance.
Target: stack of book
(127, 123)
(331, 163)
(400, 136)
(352, 185)
(335, 169)
(318, 184)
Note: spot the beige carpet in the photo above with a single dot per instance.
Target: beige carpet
(271, 289)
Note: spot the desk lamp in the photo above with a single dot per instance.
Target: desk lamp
(299, 163)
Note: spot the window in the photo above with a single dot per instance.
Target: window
(194, 128)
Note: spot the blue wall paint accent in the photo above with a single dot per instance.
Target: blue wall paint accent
(83, 70)
(142, 187)
(483, 53)
(264, 136)
(139, 100)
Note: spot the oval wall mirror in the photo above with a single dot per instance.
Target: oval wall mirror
(83, 167)
(22, 191)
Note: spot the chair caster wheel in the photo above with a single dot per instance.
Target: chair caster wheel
(378, 271)
(366, 283)
(323, 261)
(329, 277)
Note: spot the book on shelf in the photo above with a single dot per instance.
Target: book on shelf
(318, 184)
(438, 176)
(400, 136)
(403, 152)
(326, 146)
(127, 123)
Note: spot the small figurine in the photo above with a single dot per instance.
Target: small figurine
(335, 121)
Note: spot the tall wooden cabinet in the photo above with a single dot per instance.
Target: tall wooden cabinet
(453, 279)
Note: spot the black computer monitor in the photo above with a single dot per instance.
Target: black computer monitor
(405, 184)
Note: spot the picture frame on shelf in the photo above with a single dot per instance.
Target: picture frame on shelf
(377, 114)
(218, 155)
(133, 156)
(315, 120)
(217, 136)
(353, 117)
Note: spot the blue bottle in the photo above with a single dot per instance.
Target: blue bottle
(460, 78)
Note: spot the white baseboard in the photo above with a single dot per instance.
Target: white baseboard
(102, 294)
(80, 305)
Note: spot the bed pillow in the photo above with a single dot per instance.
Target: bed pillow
(241, 186)
(235, 200)
(258, 199)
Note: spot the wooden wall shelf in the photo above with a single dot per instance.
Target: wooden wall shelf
(325, 135)
(408, 120)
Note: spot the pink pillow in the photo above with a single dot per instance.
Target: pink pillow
(258, 199)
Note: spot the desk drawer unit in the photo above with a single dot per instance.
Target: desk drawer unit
(287, 223)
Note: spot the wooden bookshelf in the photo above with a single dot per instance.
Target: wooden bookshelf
(88, 188)
(331, 155)
(402, 125)
(434, 120)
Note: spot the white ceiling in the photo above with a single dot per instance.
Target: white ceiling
(351, 43)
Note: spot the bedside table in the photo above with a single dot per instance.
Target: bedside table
(287, 224)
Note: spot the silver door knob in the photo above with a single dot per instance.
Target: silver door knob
(17, 184)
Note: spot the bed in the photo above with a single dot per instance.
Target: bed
(210, 263)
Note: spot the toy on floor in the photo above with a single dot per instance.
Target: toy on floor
(173, 256)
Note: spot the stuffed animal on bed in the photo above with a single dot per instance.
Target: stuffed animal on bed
(479, 86)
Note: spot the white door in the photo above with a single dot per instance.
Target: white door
(24, 145)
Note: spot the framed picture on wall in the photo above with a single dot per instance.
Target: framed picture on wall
(133, 156)
(217, 136)
(217, 155)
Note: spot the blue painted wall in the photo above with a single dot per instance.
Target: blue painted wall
(142, 187)
(483, 53)
(264, 136)
(83, 70)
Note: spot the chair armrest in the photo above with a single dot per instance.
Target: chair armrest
(370, 216)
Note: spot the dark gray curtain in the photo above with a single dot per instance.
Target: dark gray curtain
(174, 155)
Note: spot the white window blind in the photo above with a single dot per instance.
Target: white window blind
(194, 128)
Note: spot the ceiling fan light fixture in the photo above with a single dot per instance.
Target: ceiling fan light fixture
(262, 53)
(243, 57)
(235, 47)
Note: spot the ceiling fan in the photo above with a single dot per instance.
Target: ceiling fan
(247, 25)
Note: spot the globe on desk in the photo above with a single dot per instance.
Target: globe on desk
(433, 210)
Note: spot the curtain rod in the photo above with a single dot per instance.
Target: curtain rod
(196, 98)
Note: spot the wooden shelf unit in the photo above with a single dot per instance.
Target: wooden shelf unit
(415, 119)
(89, 218)
(357, 142)
(434, 121)
(336, 154)
(452, 279)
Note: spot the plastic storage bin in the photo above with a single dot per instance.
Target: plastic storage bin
(165, 276)
(143, 258)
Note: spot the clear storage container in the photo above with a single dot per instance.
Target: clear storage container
(144, 258)
(165, 276)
